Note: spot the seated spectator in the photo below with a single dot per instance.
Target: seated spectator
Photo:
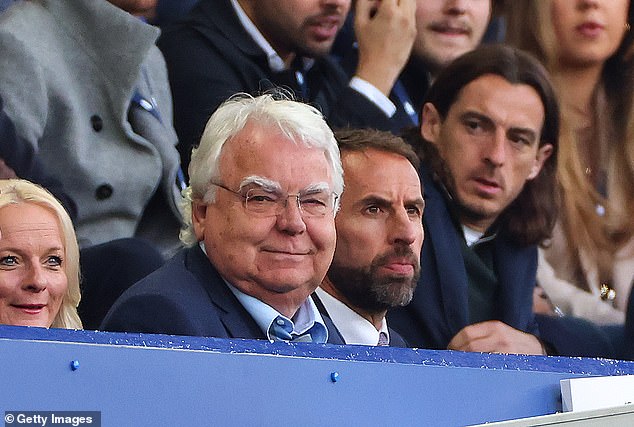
(96, 113)
(446, 29)
(39, 259)
(262, 199)
(379, 237)
(587, 268)
(488, 149)
(229, 46)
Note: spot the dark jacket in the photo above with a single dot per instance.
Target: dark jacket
(439, 309)
(186, 296)
(211, 57)
(410, 87)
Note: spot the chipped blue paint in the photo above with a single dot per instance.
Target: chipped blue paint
(583, 366)
(143, 379)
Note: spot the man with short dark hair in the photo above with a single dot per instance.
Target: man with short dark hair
(379, 237)
(490, 133)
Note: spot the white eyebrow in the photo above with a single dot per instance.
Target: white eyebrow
(275, 187)
(316, 187)
(267, 184)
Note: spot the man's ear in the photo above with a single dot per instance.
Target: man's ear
(199, 215)
(543, 153)
(431, 123)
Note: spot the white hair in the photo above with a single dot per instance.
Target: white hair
(300, 123)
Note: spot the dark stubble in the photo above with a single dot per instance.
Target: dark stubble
(372, 289)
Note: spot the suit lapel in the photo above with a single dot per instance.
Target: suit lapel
(334, 336)
(235, 318)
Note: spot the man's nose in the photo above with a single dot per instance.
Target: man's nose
(495, 150)
(290, 219)
(456, 7)
(336, 4)
(587, 4)
(403, 229)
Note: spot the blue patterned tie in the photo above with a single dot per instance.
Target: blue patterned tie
(281, 330)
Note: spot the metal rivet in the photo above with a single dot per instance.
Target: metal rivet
(74, 365)
(334, 377)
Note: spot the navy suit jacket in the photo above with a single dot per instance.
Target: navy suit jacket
(187, 296)
(210, 57)
(440, 307)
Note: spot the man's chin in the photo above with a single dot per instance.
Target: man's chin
(478, 211)
(283, 281)
(316, 49)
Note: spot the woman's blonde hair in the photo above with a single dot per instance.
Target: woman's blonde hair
(531, 28)
(15, 191)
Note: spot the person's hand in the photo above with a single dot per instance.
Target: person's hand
(541, 302)
(494, 336)
(5, 171)
(385, 31)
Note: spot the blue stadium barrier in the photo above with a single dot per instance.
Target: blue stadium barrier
(162, 380)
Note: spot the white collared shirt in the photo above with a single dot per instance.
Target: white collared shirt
(275, 61)
(354, 328)
(473, 236)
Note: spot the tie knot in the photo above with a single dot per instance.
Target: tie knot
(282, 330)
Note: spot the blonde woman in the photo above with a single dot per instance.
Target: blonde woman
(588, 267)
(39, 259)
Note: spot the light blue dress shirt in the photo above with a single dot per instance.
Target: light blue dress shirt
(306, 321)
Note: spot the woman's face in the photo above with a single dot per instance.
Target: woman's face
(588, 31)
(32, 276)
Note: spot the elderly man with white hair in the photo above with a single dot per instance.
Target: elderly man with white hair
(265, 182)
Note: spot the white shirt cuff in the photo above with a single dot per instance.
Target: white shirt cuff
(374, 95)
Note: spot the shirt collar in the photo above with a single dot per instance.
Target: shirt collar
(472, 237)
(276, 63)
(306, 318)
(354, 328)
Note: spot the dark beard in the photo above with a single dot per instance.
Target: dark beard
(366, 289)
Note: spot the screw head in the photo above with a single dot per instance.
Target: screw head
(334, 377)
(74, 365)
